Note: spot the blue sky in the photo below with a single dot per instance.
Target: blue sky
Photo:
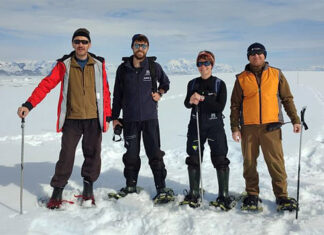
(292, 31)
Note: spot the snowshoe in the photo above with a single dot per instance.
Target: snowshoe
(123, 192)
(191, 199)
(52, 204)
(55, 201)
(88, 199)
(163, 196)
(224, 203)
(251, 203)
(286, 204)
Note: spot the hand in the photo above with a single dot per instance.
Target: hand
(156, 96)
(22, 112)
(107, 125)
(297, 128)
(116, 122)
(195, 98)
(236, 135)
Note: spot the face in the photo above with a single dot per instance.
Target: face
(139, 51)
(205, 70)
(81, 46)
(257, 60)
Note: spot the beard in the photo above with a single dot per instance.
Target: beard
(140, 55)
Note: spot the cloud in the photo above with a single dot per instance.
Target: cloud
(176, 29)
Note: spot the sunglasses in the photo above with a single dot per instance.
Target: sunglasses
(205, 63)
(137, 46)
(84, 42)
(258, 52)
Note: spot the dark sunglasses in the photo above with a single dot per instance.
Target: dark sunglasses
(84, 42)
(205, 63)
(259, 52)
(137, 46)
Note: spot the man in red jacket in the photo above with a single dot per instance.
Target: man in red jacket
(83, 110)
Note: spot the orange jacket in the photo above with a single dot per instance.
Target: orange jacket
(260, 102)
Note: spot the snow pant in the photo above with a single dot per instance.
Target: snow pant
(211, 130)
(131, 159)
(73, 129)
(254, 136)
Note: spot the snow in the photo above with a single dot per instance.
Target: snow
(136, 214)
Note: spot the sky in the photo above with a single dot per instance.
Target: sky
(292, 31)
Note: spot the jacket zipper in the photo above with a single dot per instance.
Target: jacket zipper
(260, 98)
(139, 93)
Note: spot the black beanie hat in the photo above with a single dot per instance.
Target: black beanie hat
(139, 37)
(81, 32)
(256, 47)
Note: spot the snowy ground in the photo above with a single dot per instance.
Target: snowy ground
(136, 214)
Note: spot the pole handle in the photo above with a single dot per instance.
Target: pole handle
(302, 116)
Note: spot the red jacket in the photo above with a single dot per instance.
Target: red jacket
(60, 73)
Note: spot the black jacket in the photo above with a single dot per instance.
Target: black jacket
(133, 91)
(213, 103)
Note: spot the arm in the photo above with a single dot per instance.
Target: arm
(43, 88)
(287, 100)
(187, 102)
(236, 102)
(107, 106)
(164, 82)
(118, 95)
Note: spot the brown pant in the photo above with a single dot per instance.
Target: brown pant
(91, 146)
(252, 137)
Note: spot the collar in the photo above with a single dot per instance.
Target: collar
(74, 63)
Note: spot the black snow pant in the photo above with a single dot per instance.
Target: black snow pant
(211, 129)
(131, 159)
(73, 129)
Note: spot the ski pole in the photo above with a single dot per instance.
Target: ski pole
(22, 164)
(303, 125)
(199, 154)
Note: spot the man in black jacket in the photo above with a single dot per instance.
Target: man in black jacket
(137, 94)
(208, 94)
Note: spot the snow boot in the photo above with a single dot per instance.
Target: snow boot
(123, 192)
(224, 201)
(251, 203)
(164, 195)
(286, 204)
(192, 198)
(55, 201)
(87, 193)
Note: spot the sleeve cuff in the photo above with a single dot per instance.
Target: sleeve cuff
(28, 105)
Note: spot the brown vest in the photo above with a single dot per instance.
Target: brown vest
(81, 91)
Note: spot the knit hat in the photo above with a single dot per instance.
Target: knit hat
(256, 47)
(206, 55)
(81, 32)
(140, 37)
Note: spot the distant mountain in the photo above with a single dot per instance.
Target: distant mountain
(42, 68)
(317, 68)
(26, 68)
(175, 66)
(183, 66)
(33, 68)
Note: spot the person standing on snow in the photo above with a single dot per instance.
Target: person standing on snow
(208, 94)
(256, 101)
(83, 110)
(137, 94)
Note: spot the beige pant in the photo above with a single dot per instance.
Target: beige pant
(254, 136)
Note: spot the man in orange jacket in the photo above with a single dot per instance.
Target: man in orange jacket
(83, 110)
(258, 93)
